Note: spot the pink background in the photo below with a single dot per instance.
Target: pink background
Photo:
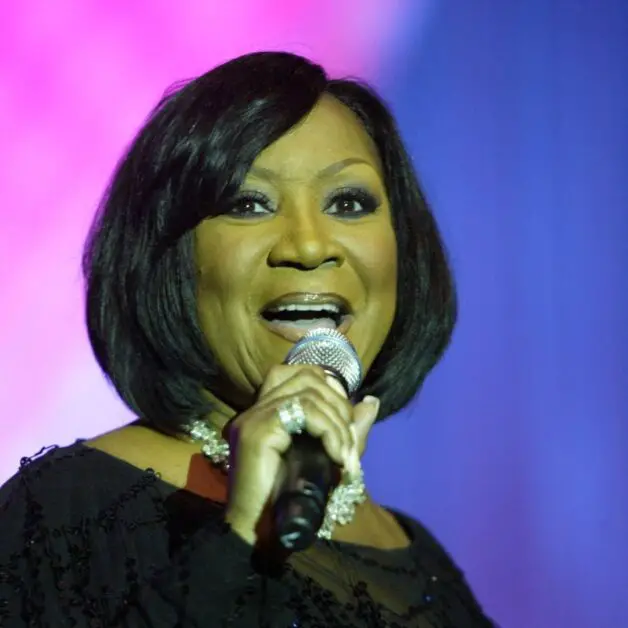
(77, 78)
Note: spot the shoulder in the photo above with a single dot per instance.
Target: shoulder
(447, 586)
(142, 447)
(52, 467)
(66, 484)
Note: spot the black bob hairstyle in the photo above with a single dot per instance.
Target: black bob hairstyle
(185, 165)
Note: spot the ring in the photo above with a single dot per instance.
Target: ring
(292, 416)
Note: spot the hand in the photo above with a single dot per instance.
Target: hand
(258, 440)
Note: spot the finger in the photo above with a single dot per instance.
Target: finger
(324, 421)
(309, 380)
(364, 416)
(336, 385)
(280, 373)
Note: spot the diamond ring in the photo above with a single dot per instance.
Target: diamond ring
(292, 416)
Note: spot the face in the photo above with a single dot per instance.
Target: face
(312, 225)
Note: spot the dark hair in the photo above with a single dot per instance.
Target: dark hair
(186, 164)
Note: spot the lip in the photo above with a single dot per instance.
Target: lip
(294, 335)
(311, 298)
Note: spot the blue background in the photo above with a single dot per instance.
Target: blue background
(516, 452)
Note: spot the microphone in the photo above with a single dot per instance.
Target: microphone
(310, 473)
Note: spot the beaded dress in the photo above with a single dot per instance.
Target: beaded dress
(89, 540)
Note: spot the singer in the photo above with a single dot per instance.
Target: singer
(259, 202)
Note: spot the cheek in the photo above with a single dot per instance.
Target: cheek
(218, 294)
(383, 269)
(380, 261)
(208, 286)
(227, 265)
(380, 272)
(217, 262)
(212, 284)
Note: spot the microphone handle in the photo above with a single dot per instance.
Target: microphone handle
(300, 508)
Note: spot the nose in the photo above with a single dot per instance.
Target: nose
(305, 239)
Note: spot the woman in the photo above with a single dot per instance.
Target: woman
(258, 201)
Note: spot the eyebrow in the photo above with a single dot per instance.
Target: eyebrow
(325, 173)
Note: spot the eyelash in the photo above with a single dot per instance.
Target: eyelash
(365, 198)
(354, 194)
(248, 197)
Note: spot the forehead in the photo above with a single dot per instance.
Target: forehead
(329, 133)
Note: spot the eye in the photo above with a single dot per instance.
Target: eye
(351, 203)
(250, 204)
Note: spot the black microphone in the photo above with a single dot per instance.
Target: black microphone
(310, 474)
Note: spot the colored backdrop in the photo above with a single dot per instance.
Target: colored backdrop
(516, 453)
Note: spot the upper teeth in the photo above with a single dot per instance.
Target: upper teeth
(326, 307)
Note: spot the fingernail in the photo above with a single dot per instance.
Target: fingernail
(373, 401)
(336, 385)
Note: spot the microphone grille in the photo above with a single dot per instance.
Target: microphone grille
(332, 351)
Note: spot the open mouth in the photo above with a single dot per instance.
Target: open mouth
(306, 316)
(292, 315)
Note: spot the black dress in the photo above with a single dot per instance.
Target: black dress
(90, 540)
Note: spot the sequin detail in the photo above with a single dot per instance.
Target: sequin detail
(87, 540)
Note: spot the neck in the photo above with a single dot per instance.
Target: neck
(220, 414)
